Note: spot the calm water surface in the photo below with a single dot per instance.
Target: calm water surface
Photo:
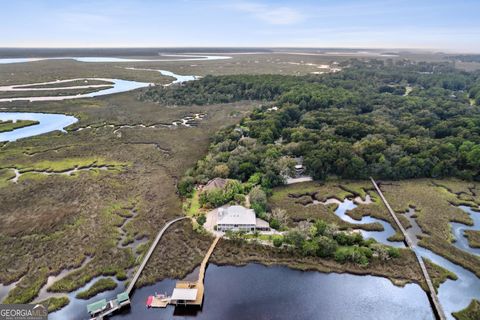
(458, 229)
(177, 57)
(48, 122)
(258, 292)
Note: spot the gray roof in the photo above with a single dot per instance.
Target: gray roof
(262, 223)
(236, 215)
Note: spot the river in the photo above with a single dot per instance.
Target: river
(183, 57)
(255, 291)
(53, 122)
(117, 86)
(48, 122)
(458, 230)
(453, 295)
(258, 292)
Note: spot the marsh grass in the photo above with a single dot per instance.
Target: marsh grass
(10, 125)
(434, 210)
(296, 199)
(438, 274)
(473, 237)
(55, 303)
(99, 286)
(472, 312)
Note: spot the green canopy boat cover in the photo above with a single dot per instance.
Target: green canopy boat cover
(97, 306)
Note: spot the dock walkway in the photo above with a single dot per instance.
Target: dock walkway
(198, 285)
(433, 295)
(113, 306)
(149, 253)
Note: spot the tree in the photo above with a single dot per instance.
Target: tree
(186, 186)
(295, 238)
(279, 215)
(320, 227)
(310, 248)
(258, 199)
(326, 247)
(221, 171)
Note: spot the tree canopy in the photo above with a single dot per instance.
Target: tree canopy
(388, 120)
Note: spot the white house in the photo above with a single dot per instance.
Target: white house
(236, 218)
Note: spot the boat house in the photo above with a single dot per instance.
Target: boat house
(184, 296)
(102, 308)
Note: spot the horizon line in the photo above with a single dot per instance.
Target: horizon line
(431, 50)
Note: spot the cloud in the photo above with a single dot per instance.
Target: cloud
(270, 14)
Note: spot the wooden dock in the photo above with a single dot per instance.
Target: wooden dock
(113, 306)
(149, 253)
(198, 285)
(159, 302)
(437, 307)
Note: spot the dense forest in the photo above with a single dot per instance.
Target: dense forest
(391, 120)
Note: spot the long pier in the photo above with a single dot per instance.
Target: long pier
(437, 307)
(149, 253)
(115, 304)
(198, 285)
(203, 265)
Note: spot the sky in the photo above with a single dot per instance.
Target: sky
(445, 25)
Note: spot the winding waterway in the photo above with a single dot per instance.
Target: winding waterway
(117, 86)
(254, 291)
(458, 230)
(380, 236)
(48, 122)
(178, 78)
(77, 308)
(183, 57)
(52, 122)
(453, 295)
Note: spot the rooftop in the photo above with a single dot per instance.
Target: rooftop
(97, 306)
(215, 183)
(184, 294)
(236, 215)
(121, 297)
(262, 223)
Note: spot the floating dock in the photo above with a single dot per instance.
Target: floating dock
(158, 301)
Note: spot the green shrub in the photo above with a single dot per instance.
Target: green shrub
(326, 247)
(201, 219)
(393, 252)
(185, 186)
(274, 224)
(278, 241)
